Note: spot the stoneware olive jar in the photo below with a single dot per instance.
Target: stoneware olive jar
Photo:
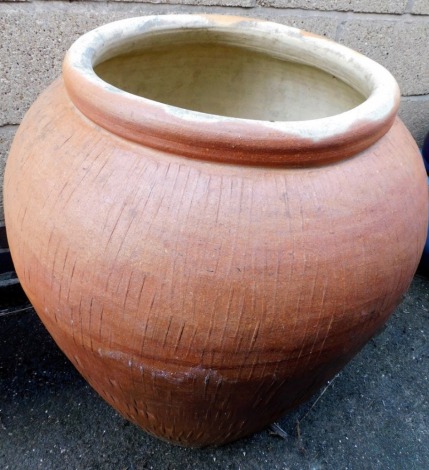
(212, 215)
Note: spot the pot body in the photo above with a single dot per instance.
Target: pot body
(203, 300)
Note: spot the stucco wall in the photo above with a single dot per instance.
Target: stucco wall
(34, 36)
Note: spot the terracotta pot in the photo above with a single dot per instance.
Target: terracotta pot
(212, 215)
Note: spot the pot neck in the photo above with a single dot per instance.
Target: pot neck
(225, 139)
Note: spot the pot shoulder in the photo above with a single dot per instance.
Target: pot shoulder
(182, 251)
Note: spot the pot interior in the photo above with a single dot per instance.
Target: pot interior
(228, 80)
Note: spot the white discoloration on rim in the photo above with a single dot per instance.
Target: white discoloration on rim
(371, 79)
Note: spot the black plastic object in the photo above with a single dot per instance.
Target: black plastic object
(12, 297)
(424, 262)
(425, 152)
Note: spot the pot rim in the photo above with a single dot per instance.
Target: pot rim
(227, 139)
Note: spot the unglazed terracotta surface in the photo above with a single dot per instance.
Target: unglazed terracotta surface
(208, 272)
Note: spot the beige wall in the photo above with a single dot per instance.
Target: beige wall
(34, 36)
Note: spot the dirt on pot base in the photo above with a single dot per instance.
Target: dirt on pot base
(374, 414)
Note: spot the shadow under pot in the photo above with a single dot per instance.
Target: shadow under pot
(212, 215)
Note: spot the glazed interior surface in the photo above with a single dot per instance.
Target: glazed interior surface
(228, 80)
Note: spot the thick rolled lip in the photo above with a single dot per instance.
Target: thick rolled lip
(225, 139)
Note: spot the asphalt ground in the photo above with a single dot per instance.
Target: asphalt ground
(373, 415)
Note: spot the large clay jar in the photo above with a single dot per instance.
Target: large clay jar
(211, 215)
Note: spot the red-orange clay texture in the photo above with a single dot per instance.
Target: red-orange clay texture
(203, 299)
